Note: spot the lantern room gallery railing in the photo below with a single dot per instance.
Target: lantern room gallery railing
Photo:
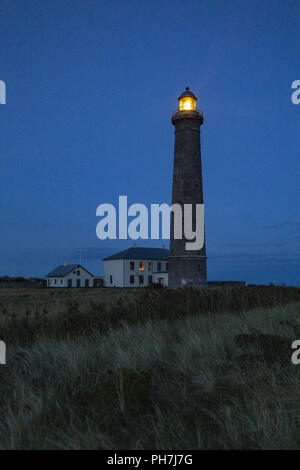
(186, 111)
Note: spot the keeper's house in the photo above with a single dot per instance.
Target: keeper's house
(137, 267)
(70, 275)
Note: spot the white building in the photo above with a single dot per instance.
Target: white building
(137, 267)
(70, 275)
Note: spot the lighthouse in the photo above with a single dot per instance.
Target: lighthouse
(187, 267)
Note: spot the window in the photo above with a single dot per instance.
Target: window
(131, 279)
(55, 281)
(77, 282)
(131, 264)
(61, 281)
(78, 273)
(159, 267)
(141, 279)
(167, 266)
(111, 279)
(86, 283)
(141, 266)
(69, 282)
(150, 266)
(150, 279)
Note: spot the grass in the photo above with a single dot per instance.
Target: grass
(186, 369)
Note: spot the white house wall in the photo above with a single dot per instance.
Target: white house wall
(63, 281)
(121, 272)
(115, 269)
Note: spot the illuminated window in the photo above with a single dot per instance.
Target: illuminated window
(150, 266)
(131, 265)
(141, 266)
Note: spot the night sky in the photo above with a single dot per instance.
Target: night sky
(91, 86)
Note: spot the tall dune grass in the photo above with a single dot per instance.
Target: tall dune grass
(22, 323)
(182, 374)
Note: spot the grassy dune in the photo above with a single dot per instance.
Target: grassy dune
(186, 369)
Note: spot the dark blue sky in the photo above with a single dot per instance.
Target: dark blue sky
(90, 90)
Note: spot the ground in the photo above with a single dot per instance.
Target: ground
(150, 369)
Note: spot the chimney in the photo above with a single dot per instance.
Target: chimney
(134, 245)
(66, 263)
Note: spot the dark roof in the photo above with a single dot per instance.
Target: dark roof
(141, 253)
(62, 270)
(187, 92)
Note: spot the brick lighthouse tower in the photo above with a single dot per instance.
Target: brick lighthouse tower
(187, 267)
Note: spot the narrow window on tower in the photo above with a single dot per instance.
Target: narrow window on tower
(131, 265)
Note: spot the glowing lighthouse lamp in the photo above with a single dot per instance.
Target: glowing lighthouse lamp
(187, 101)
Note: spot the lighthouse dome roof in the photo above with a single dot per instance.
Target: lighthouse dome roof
(187, 92)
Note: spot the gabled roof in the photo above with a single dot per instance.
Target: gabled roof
(62, 270)
(141, 253)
